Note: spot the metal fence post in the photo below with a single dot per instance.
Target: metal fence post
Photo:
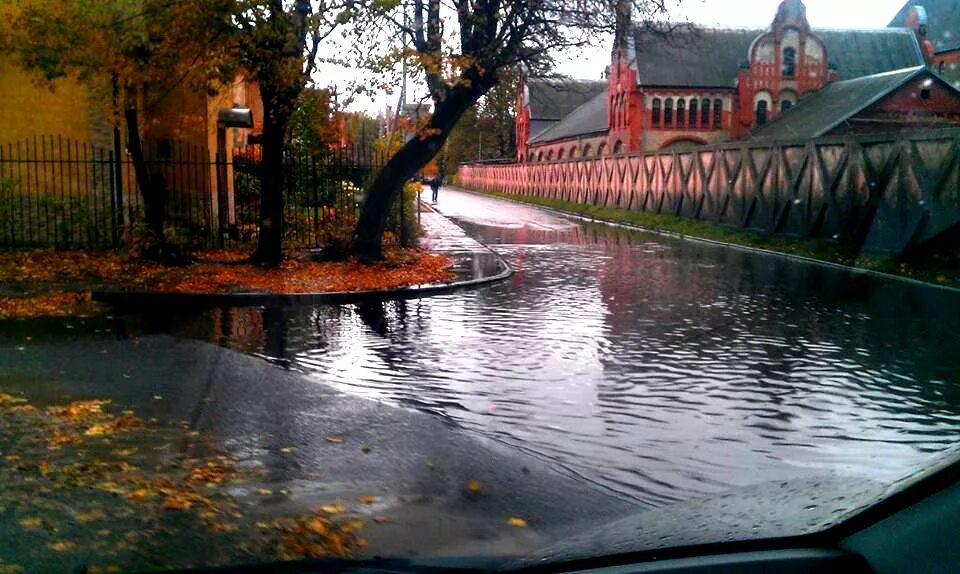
(117, 179)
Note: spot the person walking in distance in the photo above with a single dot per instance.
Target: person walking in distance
(435, 187)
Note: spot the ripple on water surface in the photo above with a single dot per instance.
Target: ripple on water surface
(661, 369)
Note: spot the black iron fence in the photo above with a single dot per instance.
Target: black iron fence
(58, 192)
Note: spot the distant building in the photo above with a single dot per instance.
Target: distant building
(709, 85)
(940, 20)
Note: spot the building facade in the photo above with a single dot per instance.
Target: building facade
(700, 86)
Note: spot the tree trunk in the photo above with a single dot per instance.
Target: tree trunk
(270, 242)
(411, 158)
(152, 189)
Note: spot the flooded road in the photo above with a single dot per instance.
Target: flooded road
(657, 368)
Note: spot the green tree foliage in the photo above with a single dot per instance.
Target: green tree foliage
(360, 129)
(314, 125)
(487, 129)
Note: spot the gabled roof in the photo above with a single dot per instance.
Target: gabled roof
(822, 111)
(555, 98)
(710, 57)
(691, 57)
(943, 21)
(590, 118)
(858, 53)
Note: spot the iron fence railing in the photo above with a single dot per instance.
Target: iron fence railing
(61, 193)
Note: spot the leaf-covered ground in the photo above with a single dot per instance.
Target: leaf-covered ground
(90, 486)
(57, 283)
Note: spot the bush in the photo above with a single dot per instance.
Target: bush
(410, 225)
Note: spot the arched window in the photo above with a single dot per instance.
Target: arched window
(717, 114)
(681, 112)
(655, 113)
(530, 156)
(560, 154)
(618, 147)
(693, 113)
(586, 150)
(705, 114)
(540, 156)
(785, 105)
(761, 112)
(550, 155)
(602, 149)
(573, 152)
(789, 62)
(668, 112)
(941, 66)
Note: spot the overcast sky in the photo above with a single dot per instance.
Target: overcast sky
(589, 64)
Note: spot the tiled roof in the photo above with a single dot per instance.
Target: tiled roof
(710, 57)
(822, 111)
(701, 57)
(589, 118)
(943, 21)
(857, 53)
(555, 98)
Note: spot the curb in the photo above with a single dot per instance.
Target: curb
(858, 271)
(144, 298)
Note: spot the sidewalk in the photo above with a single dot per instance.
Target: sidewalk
(473, 261)
(444, 236)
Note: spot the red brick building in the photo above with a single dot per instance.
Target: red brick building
(709, 85)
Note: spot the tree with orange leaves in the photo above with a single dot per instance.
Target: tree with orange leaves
(130, 54)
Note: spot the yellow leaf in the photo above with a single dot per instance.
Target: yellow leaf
(97, 430)
(356, 524)
(317, 526)
(333, 508)
(287, 449)
(473, 486)
(517, 522)
(264, 491)
(368, 499)
(95, 514)
(62, 546)
(30, 522)
(335, 439)
(176, 503)
(139, 494)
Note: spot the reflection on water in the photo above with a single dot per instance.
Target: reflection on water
(658, 368)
